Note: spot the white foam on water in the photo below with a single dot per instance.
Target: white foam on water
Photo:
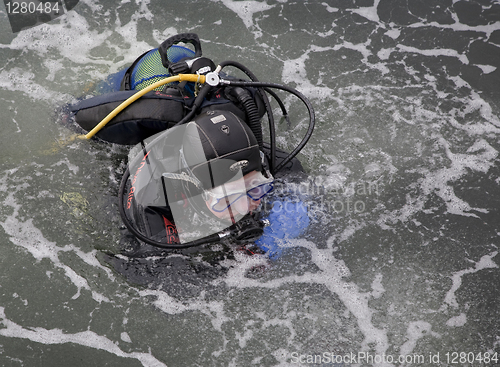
(330, 9)
(25, 301)
(457, 321)
(458, 27)
(434, 52)
(377, 287)
(73, 168)
(416, 330)
(125, 337)
(24, 234)
(166, 33)
(487, 69)
(460, 164)
(294, 71)
(71, 37)
(486, 262)
(394, 33)
(165, 302)
(172, 306)
(368, 12)
(213, 309)
(93, 5)
(246, 9)
(480, 157)
(19, 80)
(384, 53)
(53, 66)
(489, 122)
(89, 258)
(331, 274)
(85, 338)
(346, 233)
(247, 335)
(129, 31)
(364, 50)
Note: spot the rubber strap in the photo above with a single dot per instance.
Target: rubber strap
(191, 38)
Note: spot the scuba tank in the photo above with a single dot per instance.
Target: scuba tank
(184, 85)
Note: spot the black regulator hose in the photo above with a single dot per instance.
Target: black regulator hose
(252, 112)
(280, 103)
(201, 241)
(295, 92)
(270, 117)
(196, 104)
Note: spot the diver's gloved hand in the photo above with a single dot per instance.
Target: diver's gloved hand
(288, 220)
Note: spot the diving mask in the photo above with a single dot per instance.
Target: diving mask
(254, 185)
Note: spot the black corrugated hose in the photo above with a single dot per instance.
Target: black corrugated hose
(270, 117)
(251, 110)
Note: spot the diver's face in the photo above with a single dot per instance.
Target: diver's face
(243, 204)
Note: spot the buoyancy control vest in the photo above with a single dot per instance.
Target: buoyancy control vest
(158, 110)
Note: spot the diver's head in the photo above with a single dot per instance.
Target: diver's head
(221, 152)
(239, 196)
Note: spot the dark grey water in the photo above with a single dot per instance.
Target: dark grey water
(402, 255)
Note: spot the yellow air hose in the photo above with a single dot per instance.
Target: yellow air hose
(177, 78)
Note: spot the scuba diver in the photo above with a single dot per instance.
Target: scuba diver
(200, 168)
